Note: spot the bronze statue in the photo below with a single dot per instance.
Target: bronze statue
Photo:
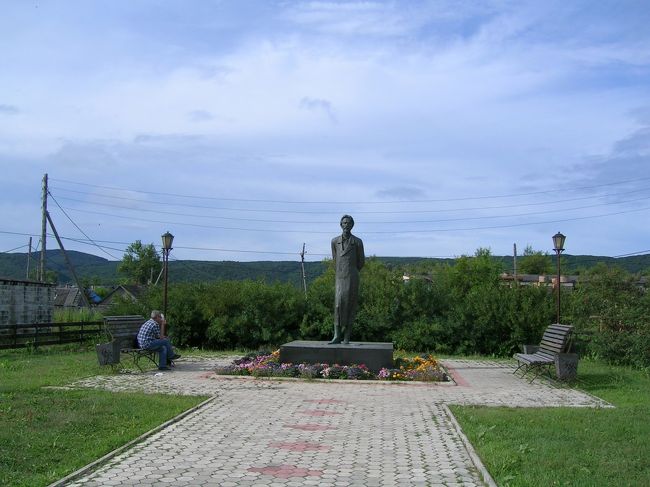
(348, 256)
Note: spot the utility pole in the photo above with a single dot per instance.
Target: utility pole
(29, 257)
(515, 262)
(67, 260)
(302, 265)
(41, 271)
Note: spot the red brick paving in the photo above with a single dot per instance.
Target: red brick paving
(309, 427)
(325, 401)
(299, 446)
(286, 471)
(318, 412)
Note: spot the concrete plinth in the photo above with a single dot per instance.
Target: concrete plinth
(374, 355)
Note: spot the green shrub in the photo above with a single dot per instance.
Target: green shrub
(611, 313)
(461, 309)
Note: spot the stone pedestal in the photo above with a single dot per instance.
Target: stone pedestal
(374, 355)
(566, 366)
(108, 353)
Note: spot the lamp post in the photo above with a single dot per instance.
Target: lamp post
(167, 239)
(558, 246)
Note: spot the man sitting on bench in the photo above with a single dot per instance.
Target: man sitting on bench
(151, 338)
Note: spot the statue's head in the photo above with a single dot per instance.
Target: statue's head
(347, 222)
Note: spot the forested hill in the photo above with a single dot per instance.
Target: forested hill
(104, 272)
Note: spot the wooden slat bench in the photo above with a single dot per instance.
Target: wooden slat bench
(556, 340)
(124, 335)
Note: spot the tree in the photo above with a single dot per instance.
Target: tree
(535, 262)
(140, 262)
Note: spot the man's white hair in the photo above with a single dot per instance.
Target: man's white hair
(155, 314)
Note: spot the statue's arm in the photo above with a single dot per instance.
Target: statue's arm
(334, 250)
(361, 257)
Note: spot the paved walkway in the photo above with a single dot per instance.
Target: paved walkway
(284, 433)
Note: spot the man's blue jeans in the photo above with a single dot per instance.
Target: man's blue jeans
(164, 349)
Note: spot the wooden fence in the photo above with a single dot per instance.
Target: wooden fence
(40, 334)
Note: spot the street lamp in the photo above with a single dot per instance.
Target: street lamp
(167, 239)
(558, 246)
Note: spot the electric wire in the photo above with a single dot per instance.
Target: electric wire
(331, 212)
(640, 252)
(11, 250)
(404, 222)
(468, 198)
(90, 241)
(250, 251)
(94, 244)
(387, 232)
(569, 257)
(77, 226)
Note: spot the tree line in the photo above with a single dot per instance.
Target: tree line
(465, 308)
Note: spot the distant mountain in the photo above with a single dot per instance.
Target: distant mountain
(14, 266)
(104, 272)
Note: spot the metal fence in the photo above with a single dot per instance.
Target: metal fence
(39, 334)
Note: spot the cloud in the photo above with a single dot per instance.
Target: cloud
(641, 115)
(357, 18)
(637, 143)
(8, 109)
(87, 154)
(318, 104)
(333, 101)
(628, 160)
(172, 140)
(200, 116)
(401, 193)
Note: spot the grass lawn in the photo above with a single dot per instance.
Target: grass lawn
(569, 446)
(47, 434)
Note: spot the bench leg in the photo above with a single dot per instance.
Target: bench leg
(540, 371)
(537, 372)
(136, 361)
(521, 364)
(152, 357)
(150, 354)
(548, 371)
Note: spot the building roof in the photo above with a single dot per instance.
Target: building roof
(68, 297)
(133, 291)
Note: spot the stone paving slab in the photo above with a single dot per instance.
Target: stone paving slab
(265, 432)
(481, 383)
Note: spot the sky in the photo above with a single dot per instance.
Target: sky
(248, 128)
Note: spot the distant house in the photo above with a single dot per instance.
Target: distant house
(537, 280)
(129, 291)
(406, 278)
(71, 297)
(68, 297)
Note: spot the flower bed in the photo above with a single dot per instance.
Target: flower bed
(268, 365)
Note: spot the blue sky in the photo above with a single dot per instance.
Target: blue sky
(247, 128)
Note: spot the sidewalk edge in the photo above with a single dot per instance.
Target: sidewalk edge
(487, 478)
(101, 461)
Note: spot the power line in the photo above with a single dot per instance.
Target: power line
(331, 212)
(216, 249)
(85, 242)
(633, 253)
(257, 220)
(11, 250)
(469, 198)
(78, 228)
(19, 233)
(249, 251)
(94, 244)
(192, 268)
(433, 230)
